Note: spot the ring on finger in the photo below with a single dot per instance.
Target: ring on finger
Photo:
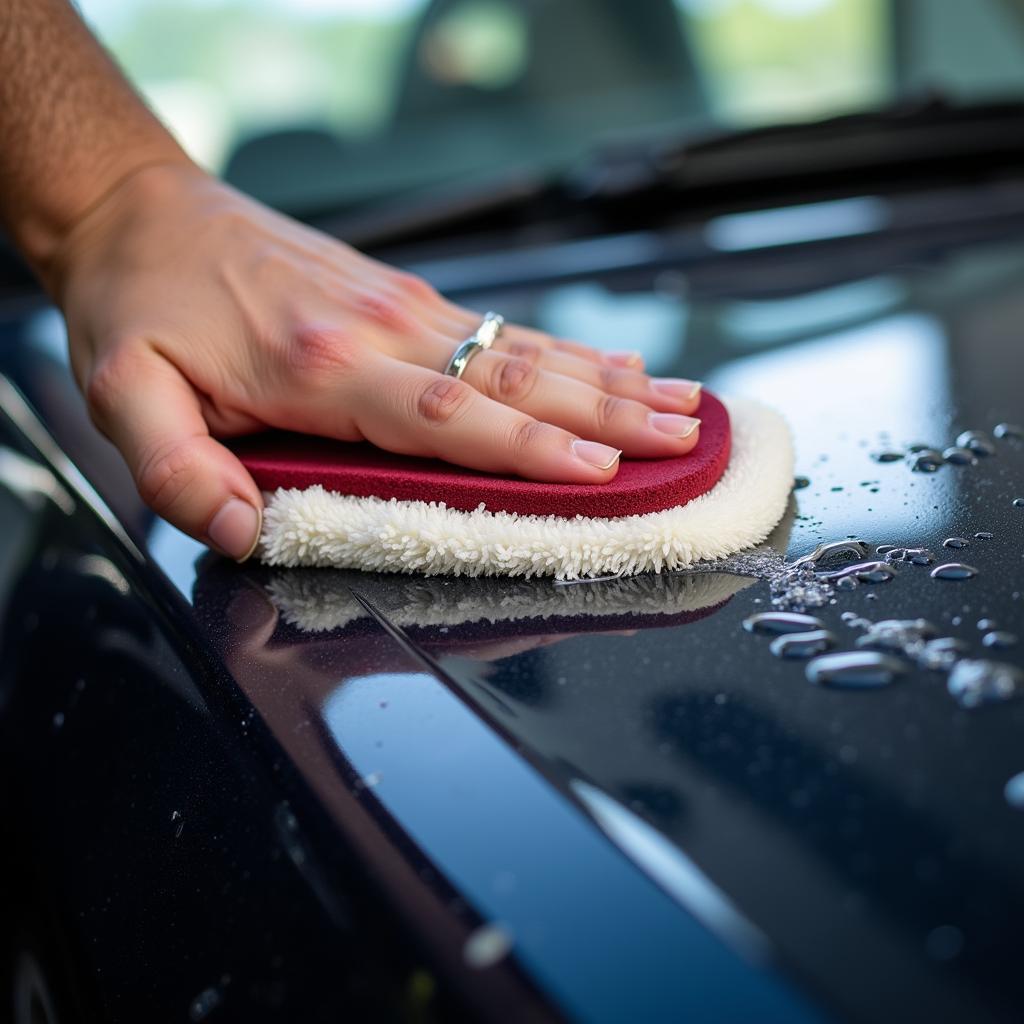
(482, 338)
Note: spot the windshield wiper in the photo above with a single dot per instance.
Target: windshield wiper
(930, 140)
(905, 136)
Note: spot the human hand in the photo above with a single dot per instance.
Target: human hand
(195, 313)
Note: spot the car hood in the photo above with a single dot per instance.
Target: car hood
(646, 807)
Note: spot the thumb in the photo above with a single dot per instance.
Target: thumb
(153, 415)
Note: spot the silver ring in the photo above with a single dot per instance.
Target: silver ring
(482, 338)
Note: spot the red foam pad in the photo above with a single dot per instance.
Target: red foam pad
(641, 485)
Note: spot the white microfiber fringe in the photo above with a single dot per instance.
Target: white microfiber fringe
(319, 602)
(315, 527)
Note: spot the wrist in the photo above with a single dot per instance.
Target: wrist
(45, 235)
(137, 192)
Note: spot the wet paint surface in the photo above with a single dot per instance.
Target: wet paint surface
(871, 813)
(861, 832)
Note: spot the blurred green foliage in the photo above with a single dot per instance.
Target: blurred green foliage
(761, 65)
(218, 70)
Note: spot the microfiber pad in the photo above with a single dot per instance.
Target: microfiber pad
(362, 470)
(354, 506)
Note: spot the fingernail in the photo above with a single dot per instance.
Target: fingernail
(676, 387)
(235, 529)
(625, 357)
(670, 423)
(601, 455)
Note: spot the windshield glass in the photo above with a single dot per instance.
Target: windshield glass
(313, 105)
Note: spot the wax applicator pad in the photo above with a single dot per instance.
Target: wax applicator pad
(355, 506)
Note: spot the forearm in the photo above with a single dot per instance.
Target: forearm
(71, 127)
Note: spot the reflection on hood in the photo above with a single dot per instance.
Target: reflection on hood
(317, 601)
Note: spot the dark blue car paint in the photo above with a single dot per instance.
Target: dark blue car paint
(213, 813)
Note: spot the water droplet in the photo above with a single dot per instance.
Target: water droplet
(941, 654)
(955, 542)
(977, 441)
(953, 571)
(802, 645)
(177, 817)
(1009, 430)
(204, 1004)
(973, 682)
(836, 550)
(983, 535)
(1018, 502)
(486, 946)
(847, 583)
(999, 638)
(985, 624)
(887, 456)
(1014, 791)
(800, 482)
(794, 588)
(926, 461)
(855, 670)
(917, 556)
(960, 456)
(58, 719)
(865, 572)
(944, 943)
(781, 622)
(855, 621)
(897, 634)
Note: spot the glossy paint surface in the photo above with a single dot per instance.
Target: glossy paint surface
(654, 817)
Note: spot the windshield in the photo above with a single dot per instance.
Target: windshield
(314, 105)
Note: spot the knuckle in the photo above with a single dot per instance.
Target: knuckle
(387, 311)
(525, 437)
(611, 378)
(514, 379)
(317, 350)
(108, 381)
(166, 472)
(412, 286)
(528, 350)
(442, 401)
(607, 411)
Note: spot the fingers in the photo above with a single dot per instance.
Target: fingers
(585, 410)
(432, 349)
(462, 322)
(515, 333)
(662, 394)
(416, 411)
(152, 414)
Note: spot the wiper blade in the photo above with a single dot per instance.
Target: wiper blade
(903, 134)
(626, 187)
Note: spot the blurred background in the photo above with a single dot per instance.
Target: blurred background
(314, 105)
